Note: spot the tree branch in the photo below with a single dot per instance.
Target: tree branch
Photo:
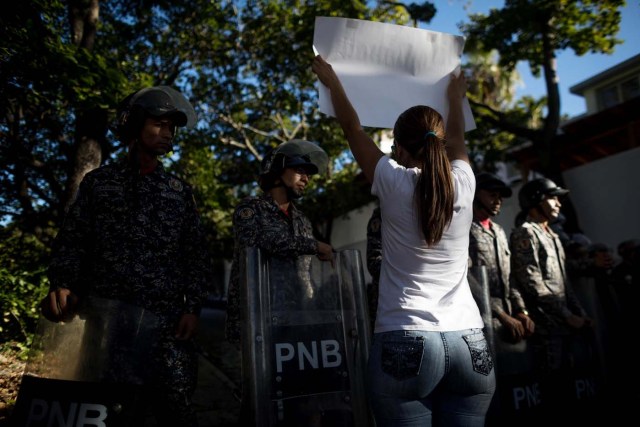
(501, 120)
(240, 127)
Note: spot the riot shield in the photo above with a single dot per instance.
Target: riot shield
(305, 340)
(518, 393)
(479, 285)
(89, 370)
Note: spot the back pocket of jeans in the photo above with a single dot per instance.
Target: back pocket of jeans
(480, 356)
(402, 358)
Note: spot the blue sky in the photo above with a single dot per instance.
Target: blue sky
(572, 69)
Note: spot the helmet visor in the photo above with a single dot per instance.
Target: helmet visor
(557, 191)
(160, 101)
(301, 153)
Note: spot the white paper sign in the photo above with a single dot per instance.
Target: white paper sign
(388, 68)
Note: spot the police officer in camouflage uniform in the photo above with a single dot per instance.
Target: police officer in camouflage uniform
(133, 234)
(272, 222)
(539, 270)
(489, 246)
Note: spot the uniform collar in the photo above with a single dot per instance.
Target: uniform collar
(540, 228)
(124, 167)
(293, 210)
(476, 223)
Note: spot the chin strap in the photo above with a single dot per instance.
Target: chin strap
(543, 214)
(134, 158)
(292, 195)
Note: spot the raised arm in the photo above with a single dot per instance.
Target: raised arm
(365, 151)
(456, 91)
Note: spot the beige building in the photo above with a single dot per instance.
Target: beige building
(612, 87)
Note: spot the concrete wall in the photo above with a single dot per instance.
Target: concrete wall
(350, 232)
(606, 194)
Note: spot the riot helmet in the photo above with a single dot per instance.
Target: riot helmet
(296, 153)
(156, 101)
(533, 192)
(490, 182)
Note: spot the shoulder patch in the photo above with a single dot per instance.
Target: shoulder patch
(175, 184)
(246, 213)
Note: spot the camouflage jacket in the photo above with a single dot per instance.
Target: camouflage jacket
(259, 222)
(136, 239)
(374, 245)
(374, 262)
(538, 265)
(491, 249)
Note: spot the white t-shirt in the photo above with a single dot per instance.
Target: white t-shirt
(423, 288)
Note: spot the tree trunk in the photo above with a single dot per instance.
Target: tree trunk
(552, 120)
(91, 126)
(91, 129)
(83, 19)
(550, 162)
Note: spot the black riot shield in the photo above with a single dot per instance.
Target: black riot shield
(89, 371)
(518, 394)
(305, 340)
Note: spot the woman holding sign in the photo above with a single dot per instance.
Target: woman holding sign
(429, 361)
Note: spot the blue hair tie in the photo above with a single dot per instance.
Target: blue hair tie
(430, 133)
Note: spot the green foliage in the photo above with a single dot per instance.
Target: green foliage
(548, 26)
(23, 284)
(244, 65)
(419, 12)
(215, 199)
(493, 86)
(329, 197)
(46, 83)
(253, 92)
(581, 25)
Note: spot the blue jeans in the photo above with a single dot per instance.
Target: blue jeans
(416, 378)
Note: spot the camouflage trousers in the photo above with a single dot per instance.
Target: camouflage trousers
(173, 381)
